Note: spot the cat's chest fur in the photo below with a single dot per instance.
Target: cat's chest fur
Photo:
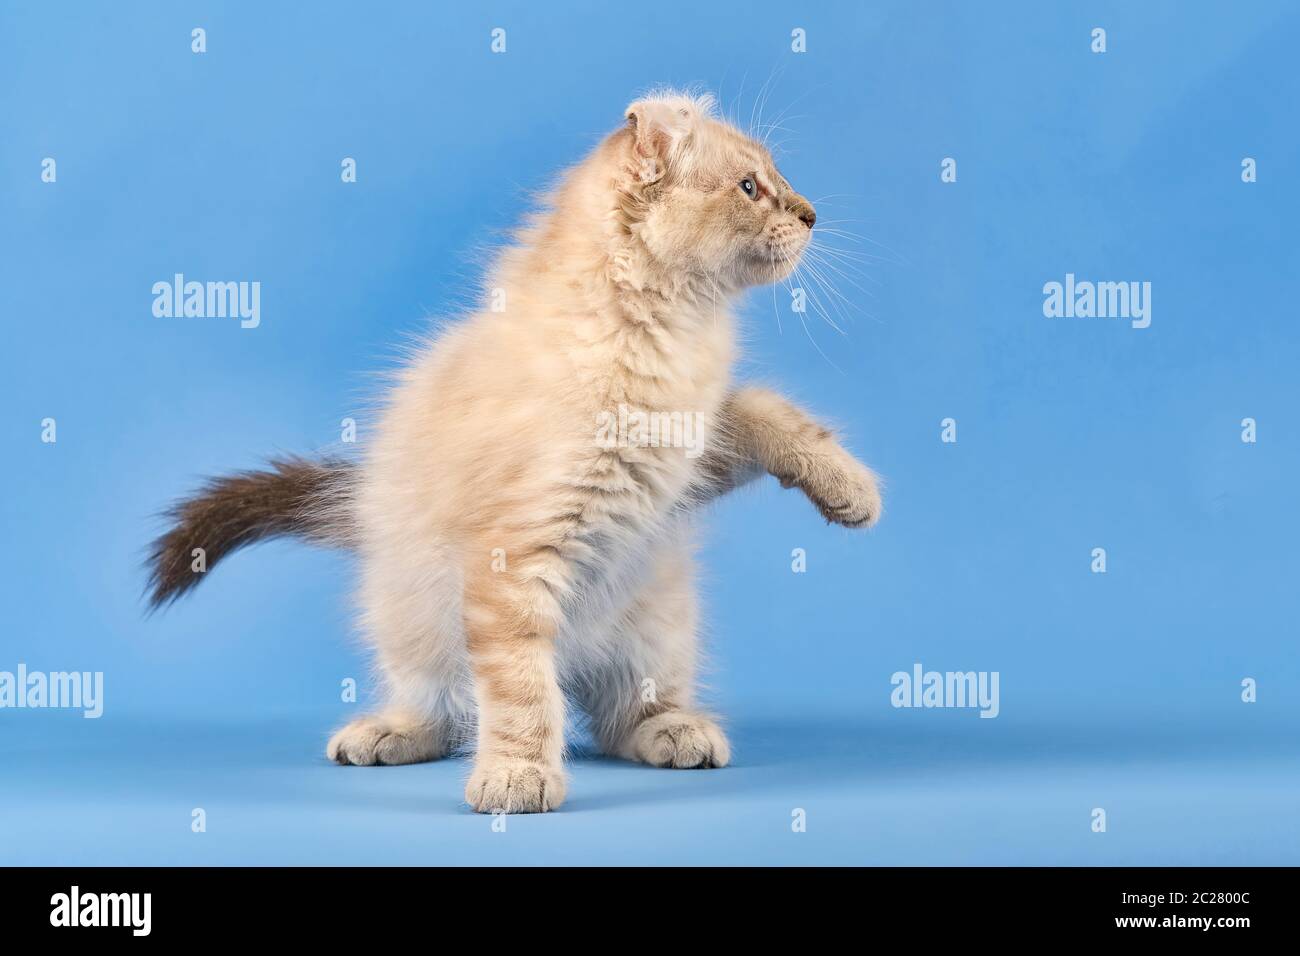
(666, 381)
(652, 393)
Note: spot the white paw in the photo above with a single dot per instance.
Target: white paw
(514, 786)
(844, 490)
(680, 739)
(378, 740)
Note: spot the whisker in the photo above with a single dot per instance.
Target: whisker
(832, 303)
(831, 290)
(846, 276)
(787, 260)
(760, 101)
(782, 115)
(771, 254)
(846, 271)
(826, 229)
(830, 196)
(849, 257)
(812, 297)
(857, 255)
(816, 346)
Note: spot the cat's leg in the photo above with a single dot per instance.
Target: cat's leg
(641, 703)
(420, 721)
(762, 432)
(427, 711)
(511, 621)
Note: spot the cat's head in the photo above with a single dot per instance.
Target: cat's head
(708, 198)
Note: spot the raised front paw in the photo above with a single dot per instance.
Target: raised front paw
(844, 490)
(514, 786)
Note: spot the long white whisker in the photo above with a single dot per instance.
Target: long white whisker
(771, 254)
(816, 346)
(787, 260)
(806, 330)
(855, 255)
(846, 276)
(849, 258)
(830, 196)
(831, 290)
(826, 229)
(769, 88)
(831, 303)
(781, 117)
(819, 307)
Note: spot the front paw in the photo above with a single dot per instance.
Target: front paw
(844, 490)
(679, 739)
(372, 740)
(514, 786)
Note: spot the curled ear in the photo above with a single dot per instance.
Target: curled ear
(658, 127)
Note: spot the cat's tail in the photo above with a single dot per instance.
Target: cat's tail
(293, 497)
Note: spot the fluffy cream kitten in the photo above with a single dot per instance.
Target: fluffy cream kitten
(511, 561)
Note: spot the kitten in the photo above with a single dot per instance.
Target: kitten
(509, 560)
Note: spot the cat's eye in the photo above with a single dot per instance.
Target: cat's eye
(749, 187)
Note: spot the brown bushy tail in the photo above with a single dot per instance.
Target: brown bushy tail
(294, 497)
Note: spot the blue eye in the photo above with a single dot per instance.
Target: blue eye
(749, 187)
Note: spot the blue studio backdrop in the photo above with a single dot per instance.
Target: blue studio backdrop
(1100, 510)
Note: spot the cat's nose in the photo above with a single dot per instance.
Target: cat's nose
(804, 210)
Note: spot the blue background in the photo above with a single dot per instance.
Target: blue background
(1118, 690)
